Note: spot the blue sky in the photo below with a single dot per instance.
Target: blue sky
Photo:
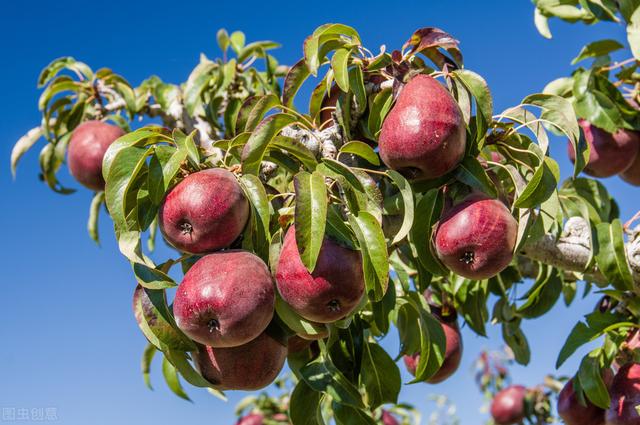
(68, 339)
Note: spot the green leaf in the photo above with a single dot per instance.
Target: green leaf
(57, 65)
(124, 170)
(197, 82)
(472, 173)
(427, 213)
(379, 108)
(180, 361)
(94, 212)
(596, 49)
(541, 186)
(296, 149)
(297, 323)
(580, 334)
(257, 195)
(544, 293)
(361, 149)
(558, 113)
(375, 258)
(479, 89)
(296, 76)
(610, 255)
(348, 415)
(222, 37)
(305, 401)
(356, 85)
(517, 341)
(186, 143)
(237, 41)
(23, 145)
(379, 375)
(408, 207)
(173, 382)
(426, 339)
(340, 66)
(145, 364)
(151, 278)
(322, 375)
(259, 141)
(310, 215)
(163, 167)
(591, 381)
(156, 321)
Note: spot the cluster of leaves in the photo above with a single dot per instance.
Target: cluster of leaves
(232, 114)
(274, 408)
(605, 93)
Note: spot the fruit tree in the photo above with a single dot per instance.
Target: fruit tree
(394, 199)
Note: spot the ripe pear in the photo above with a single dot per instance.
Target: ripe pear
(632, 174)
(87, 146)
(573, 412)
(205, 212)
(508, 406)
(251, 419)
(226, 299)
(610, 154)
(331, 292)
(476, 238)
(248, 367)
(424, 135)
(625, 396)
(453, 346)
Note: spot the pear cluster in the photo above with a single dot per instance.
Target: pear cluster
(226, 300)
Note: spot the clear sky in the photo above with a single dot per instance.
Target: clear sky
(68, 340)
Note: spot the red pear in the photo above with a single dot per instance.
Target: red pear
(574, 413)
(328, 106)
(295, 344)
(424, 135)
(251, 419)
(625, 396)
(205, 212)
(331, 292)
(89, 142)
(453, 349)
(476, 238)
(248, 367)
(226, 299)
(610, 154)
(508, 406)
(388, 419)
(632, 174)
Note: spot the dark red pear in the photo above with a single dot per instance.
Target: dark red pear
(205, 212)
(625, 396)
(248, 367)
(388, 419)
(296, 344)
(508, 406)
(573, 412)
(226, 299)
(331, 292)
(424, 135)
(632, 174)
(328, 106)
(476, 237)
(251, 419)
(453, 348)
(87, 146)
(610, 154)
